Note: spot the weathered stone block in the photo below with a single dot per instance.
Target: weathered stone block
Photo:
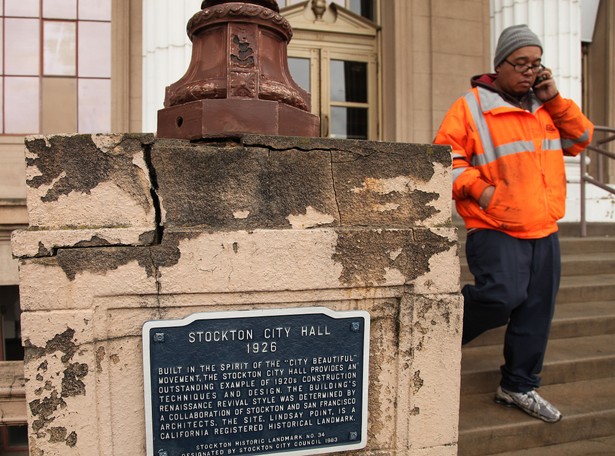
(241, 187)
(251, 223)
(285, 182)
(88, 180)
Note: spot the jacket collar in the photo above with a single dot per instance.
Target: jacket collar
(528, 102)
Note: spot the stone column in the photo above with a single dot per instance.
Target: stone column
(558, 24)
(166, 51)
(126, 229)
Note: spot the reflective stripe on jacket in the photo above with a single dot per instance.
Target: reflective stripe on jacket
(518, 152)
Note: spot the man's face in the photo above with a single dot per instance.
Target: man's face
(513, 82)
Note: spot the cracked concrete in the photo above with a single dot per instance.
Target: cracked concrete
(62, 380)
(247, 223)
(75, 177)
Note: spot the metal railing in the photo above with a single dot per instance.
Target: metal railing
(600, 147)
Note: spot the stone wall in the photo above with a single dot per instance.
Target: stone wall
(126, 229)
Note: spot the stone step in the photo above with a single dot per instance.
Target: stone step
(571, 246)
(579, 371)
(588, 263)
(576, 319)
(572, 264)
(594, 447)
(567, 360)
(566, 230)
(580, 288)
(487, 428)
(573, 229)
(574, 246)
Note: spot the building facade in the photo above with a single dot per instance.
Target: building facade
(376, 69)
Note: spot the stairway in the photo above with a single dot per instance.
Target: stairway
(579, 370)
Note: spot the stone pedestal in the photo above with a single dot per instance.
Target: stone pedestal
(126, 229)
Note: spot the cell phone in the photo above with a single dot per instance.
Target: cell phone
(539, 79)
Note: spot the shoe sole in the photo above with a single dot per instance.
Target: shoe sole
(511, 404)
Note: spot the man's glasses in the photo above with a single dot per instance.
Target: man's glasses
(523, 67)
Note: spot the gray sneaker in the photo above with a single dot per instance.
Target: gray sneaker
(531, 403)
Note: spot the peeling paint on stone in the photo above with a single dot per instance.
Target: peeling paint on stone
(94, 241)
(395, 253)
(88, 181)
(398, 184)
(55, 161)
(241, 214)
(72, 385)
(75, 261)
(100, 356)
(71, 440)
(372, 181)
(312, 218)
(386, 207)
(365, 255)
(43, 251)
(57, 434)
(240, 188)
(28, 243)
(417, 382)
(43, 409)
(62, 343)
(100, 260)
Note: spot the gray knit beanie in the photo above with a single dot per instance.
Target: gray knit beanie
(513, 38)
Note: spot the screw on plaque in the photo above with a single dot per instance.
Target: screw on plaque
(163, 453)
(159, 337)
(355, 326)
(353, 436)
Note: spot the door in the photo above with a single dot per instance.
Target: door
(336, 61)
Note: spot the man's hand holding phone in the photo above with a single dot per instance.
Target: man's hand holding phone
(544, 85)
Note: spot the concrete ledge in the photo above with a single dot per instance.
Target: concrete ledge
(12, 393)
(13, 212)
(280, 182)
(37, 243)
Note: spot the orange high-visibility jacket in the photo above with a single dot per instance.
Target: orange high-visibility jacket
(519, 152)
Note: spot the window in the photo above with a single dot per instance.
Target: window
(285, 3)
(349, 107)
(10, 324)
(55, 75)
(59, 48)
(343, 90)
(13, 439)
(365, 8)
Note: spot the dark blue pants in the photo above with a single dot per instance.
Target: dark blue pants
(516, 282)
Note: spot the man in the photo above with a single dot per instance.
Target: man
(509, 135)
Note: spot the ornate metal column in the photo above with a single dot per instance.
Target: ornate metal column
(238, 80)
